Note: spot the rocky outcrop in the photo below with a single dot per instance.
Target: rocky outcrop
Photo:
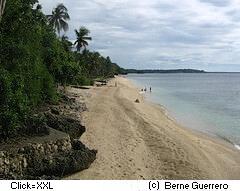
(65, 124)
(12, 166)
(47, 160)
(53, 150)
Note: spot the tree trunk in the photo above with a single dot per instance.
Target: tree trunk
(2, 6)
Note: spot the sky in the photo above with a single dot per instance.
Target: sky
(160, 34)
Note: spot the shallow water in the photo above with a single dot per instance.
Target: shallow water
(207, 102)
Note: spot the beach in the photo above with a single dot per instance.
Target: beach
(140, 141)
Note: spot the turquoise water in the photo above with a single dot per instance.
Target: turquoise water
(208, 102)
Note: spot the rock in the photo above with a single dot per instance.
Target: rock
(65, 124)
(66, 163)
(47, 160)
(54, 148)
(21, 150)
(6, 161)
(137, 101)
(1, 162)
(78, 145)
(2, 154)
(80, 107)
(80, 87)
(56, 157)
(62, 163)
(55, 111)
(1, 171)
(24, 162)
(67, 99)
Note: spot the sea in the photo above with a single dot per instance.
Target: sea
(206, 102)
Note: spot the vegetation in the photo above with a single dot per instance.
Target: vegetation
(2, 7)
(82, 38)
(164, 71)
(59, 17)
(33, 61)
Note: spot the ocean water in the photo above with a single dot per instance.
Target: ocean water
(206, 102)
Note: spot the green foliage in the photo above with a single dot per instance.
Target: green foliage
(94, 65)
(8, 117)
(83, 80)
(25, 81)
(33, 61)
(82, 38)
(59, 17)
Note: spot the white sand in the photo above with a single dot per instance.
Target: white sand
(139, 141)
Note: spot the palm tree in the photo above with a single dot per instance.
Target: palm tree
(59, 18)
(82, 38)
(64, 37)
(2, 7)
(66, 43)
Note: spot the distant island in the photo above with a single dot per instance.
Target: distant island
(128, 71)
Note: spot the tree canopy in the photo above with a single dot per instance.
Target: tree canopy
(59, 17)
(82, 38)
(33, 61)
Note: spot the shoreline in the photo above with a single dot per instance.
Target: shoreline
(182, 125)
(141, 141)
(188, 128)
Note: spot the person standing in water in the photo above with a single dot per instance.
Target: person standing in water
(150, 89)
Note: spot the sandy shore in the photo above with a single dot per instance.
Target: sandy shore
(139, 141)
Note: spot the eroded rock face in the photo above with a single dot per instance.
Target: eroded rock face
(12, 166)
(67, 162)
(60, 153)
(65, 124)
(50, 160)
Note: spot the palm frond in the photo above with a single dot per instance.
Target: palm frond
(65, 16)
(64, 38)
(77, 33)
(63, 25)
(84, 31)
(82, 38)
(75, 42)
(59, 18)
(85, 42)
(87, 38)
(61, 6)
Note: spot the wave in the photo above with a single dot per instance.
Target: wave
(229, 141)
(237, 147)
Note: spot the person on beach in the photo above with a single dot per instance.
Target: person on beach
(145, 89)
(150, 89)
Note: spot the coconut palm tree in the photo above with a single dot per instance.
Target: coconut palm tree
(66, 43)
(2, 7)
(82, 38)
(59, 17)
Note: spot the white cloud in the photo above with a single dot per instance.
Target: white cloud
(202, 34)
